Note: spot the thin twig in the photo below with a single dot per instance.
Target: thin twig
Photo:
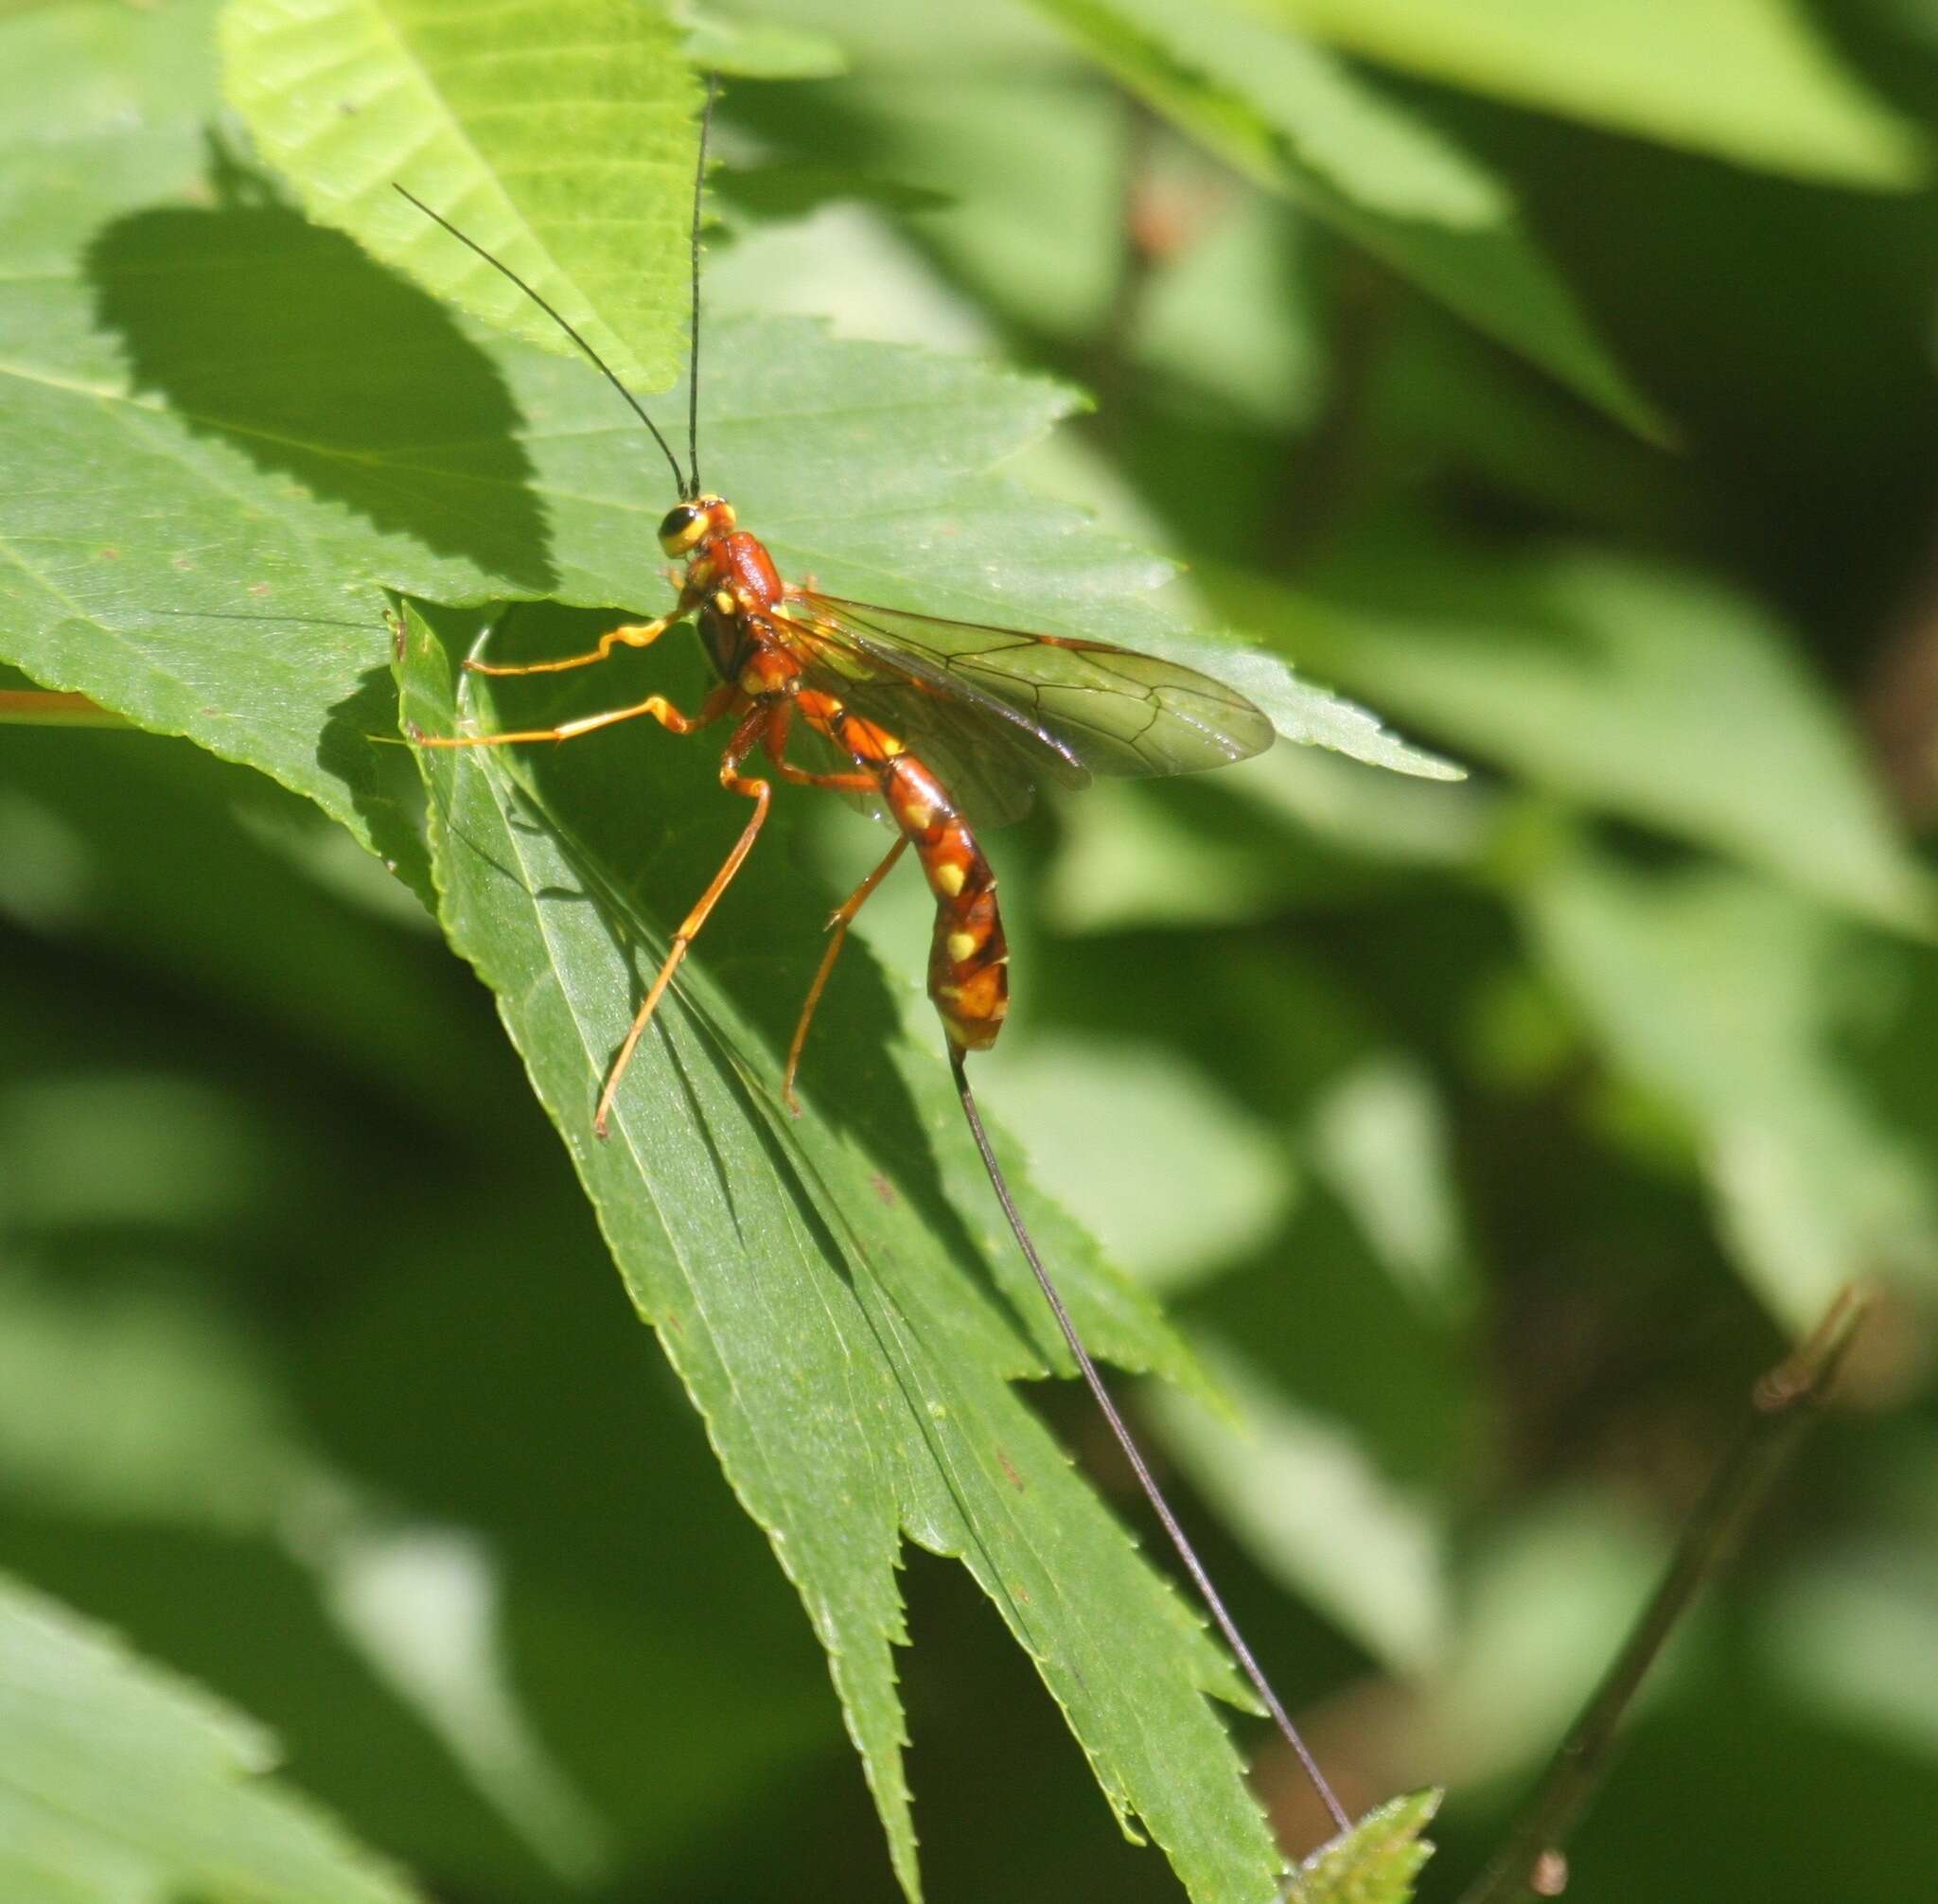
(1785, 1406)
(1325, 476)
(1146, 1480)
(1136, 262)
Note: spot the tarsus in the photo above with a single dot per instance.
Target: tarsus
(1146, 1480)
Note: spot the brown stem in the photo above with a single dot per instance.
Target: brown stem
(1322, 481)
(1785, 1404)
(1139, 251)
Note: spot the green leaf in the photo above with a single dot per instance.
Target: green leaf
(1753, 81)
(131, 572)
(1381, 1139)
(200, 525)
(717, 42)
(1377, 1860)
(810, 1280)
(1312, 715)
(118, 1781)
(1725, 998)
(1647, 692)
(1361, 145)
(1281, 112)
(1081, 1105)
(560, 137)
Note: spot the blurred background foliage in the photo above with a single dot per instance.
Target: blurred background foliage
(1486, 1139)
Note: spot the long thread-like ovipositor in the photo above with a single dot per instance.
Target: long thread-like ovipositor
(1214, 1605)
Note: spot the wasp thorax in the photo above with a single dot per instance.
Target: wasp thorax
(687, 524)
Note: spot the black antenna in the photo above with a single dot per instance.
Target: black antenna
(1214, 1605)
(692, 371)
(605, 368)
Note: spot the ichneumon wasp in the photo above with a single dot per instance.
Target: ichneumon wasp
(938, 727)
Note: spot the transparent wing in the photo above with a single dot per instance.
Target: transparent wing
(998, 710)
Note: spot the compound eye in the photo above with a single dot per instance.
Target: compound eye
(682, 527)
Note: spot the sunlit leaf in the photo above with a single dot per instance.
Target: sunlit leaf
(1310, 1503)
(1313, 716)
(1080, 1107)
(1656, 694)
(1378, 1860)
(559, 134)
(718, 42)
(201, 541)
(1753, 81)
(1287, 116)
(1725, 997)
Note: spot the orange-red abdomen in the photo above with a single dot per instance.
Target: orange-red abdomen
(968, 957)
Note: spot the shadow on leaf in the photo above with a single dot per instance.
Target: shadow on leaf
(381, 781)
(288, 342)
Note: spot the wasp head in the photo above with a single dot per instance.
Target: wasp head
(686, 525)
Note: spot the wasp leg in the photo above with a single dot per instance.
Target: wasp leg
(778, 719)
(833, 783)
(838, 926)
(717, 703)
(745, 737)
(642, 636)
(857, 781)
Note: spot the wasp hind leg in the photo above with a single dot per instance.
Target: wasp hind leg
(746, 736)
(837, 927)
